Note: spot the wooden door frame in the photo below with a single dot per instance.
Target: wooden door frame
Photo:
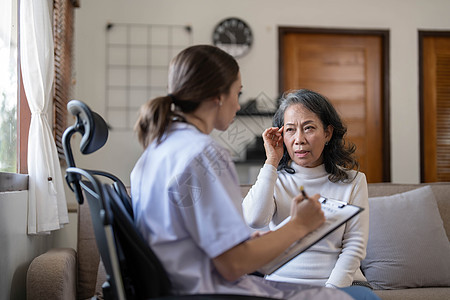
(423, 34)
(385, 88)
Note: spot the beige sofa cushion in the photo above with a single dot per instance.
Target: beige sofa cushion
(52, 275)
(434, 293)
(441, 191)
(408, 246)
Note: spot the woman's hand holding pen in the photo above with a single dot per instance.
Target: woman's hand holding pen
(273, 145)
(306, 211)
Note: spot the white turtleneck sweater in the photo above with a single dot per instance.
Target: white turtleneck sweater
(335, 260)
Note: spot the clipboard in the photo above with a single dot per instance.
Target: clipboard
(336, 214)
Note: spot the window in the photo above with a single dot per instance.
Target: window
(8, 87)
(14, 112)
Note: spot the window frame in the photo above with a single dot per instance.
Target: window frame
(59, 107)
(10, 182)
(23, 125)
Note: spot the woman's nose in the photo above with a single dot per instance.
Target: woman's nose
(299, 139)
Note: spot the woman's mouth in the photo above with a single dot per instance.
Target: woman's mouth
(301, 153)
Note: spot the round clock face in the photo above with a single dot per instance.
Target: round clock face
(233, 36)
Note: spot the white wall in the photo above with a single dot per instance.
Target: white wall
(403, 19)
(17, 248)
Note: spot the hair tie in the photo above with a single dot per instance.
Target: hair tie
(172, 98)
(184, 105)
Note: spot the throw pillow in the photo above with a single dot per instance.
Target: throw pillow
(408, 246)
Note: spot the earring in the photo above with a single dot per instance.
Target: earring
(326, 143)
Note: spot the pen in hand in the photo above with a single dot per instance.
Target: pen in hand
(302, 190)
(305, 196)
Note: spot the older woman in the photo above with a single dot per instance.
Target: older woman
(307, 148)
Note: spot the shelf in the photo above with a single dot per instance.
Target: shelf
(249, 114)
(250, 109)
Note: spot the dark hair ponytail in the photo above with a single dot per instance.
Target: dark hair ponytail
(154, 117)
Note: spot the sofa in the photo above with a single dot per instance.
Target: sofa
(65, 273)
(404, 261)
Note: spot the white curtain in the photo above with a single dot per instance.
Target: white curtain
(47, 207)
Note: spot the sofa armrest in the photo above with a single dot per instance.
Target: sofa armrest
(52, 275)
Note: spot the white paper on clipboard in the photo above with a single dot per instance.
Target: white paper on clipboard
(336, 214)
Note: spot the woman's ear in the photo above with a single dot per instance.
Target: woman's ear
(329, 132)
(218, 100)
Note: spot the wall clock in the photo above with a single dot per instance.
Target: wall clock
(233, 36)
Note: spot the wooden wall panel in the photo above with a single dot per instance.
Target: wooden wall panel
(435, 108)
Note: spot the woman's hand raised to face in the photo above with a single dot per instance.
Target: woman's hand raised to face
(273, 145)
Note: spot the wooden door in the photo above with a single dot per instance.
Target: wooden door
(348, 70)
(435, 106)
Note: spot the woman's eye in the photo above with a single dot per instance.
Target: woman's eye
(239, 94)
